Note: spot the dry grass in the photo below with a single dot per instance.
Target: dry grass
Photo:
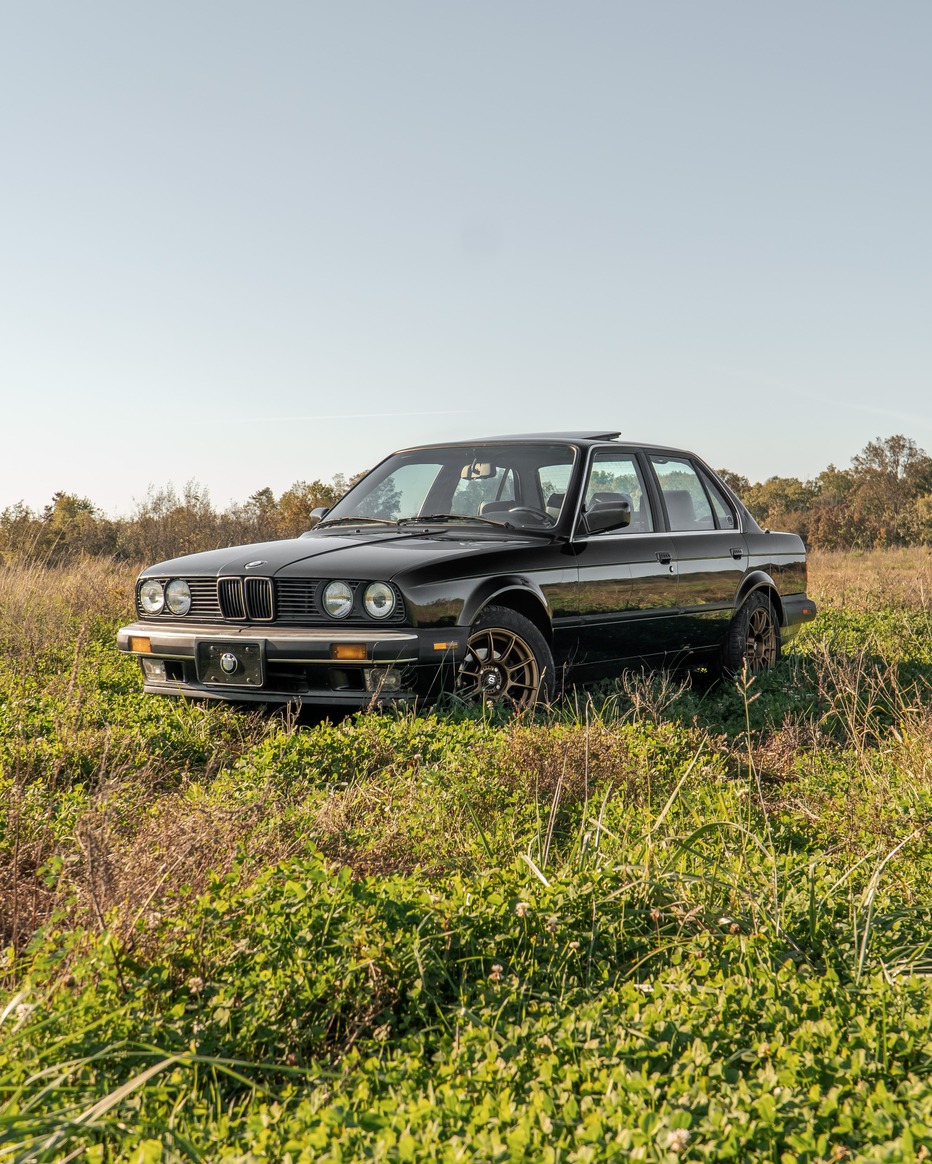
(150, 823)
(872, 578)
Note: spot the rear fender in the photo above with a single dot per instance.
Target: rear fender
(759, 580)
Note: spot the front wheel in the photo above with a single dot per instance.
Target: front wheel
(507, 660)
(753, 639)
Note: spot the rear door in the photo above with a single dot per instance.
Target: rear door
(710, 552)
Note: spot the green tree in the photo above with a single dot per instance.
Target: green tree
(888, 475)
(72, 526)
(782, 503)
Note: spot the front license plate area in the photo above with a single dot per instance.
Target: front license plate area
(230, 664)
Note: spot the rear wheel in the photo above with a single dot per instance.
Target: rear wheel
(753, 639)
(507, 660)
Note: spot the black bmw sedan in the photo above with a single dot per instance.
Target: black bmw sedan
(494, 569)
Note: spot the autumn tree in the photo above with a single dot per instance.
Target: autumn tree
(888, 477)
(782, 503)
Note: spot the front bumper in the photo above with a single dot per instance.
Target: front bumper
(322, 666)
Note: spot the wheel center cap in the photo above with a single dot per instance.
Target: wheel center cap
(491, 678)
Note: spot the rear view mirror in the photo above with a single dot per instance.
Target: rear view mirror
(478, 471)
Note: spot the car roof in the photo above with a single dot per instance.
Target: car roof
(583, 437)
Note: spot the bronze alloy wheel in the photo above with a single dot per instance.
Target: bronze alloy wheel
(753, 638)
(761, 648)
(507, 659)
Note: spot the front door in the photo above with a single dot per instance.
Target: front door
(626, 599)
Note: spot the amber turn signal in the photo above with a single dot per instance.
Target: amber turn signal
(348, 651)
(140, 646)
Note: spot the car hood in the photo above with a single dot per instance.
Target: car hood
(349, 555)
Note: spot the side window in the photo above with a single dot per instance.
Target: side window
(554, 481)
(401, 494)
(474, 498)
(616, 477)
(724, 514)
(686, 501)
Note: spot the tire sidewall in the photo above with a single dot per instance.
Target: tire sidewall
(734, 648)
(506, 618)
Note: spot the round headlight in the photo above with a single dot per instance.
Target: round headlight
(151, 597)
(178, 596)
(338, 599)
(379, 600)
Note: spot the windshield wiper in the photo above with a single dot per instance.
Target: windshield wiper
(453, 518)
(355, 521)
(435, 517)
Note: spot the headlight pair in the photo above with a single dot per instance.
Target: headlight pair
(378, 599)
(154, 596)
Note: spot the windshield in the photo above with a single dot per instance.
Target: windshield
(521, 485)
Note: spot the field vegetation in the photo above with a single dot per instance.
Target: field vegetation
(659, 921)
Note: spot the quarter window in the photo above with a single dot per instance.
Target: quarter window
(484, 495)
(554, 480)
(724, 515)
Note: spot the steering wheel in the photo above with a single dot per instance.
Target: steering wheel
(540, 515)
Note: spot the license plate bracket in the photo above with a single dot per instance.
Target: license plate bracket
(230, 664)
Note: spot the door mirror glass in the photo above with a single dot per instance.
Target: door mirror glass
(605, 515)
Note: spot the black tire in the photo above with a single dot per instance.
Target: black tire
(507, 660)
(753, 638)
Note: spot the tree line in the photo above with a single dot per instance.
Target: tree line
(883, 499)
(166, 523)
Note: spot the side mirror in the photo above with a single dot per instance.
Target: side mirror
(317, 515)
(605, 515)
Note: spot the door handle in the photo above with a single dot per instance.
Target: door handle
(737, 552)
(663, 556)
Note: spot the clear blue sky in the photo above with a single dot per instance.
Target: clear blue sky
(253, 243)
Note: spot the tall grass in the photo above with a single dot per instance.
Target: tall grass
(660, 921)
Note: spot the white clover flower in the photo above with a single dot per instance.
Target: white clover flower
(677, 1139)
(496, 975)
(574, 945)
(521, 909)
(552, 922)
(196, 984)
(21, 1013)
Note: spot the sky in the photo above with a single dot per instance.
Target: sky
(250, 244)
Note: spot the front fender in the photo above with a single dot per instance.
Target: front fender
(492, 588)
